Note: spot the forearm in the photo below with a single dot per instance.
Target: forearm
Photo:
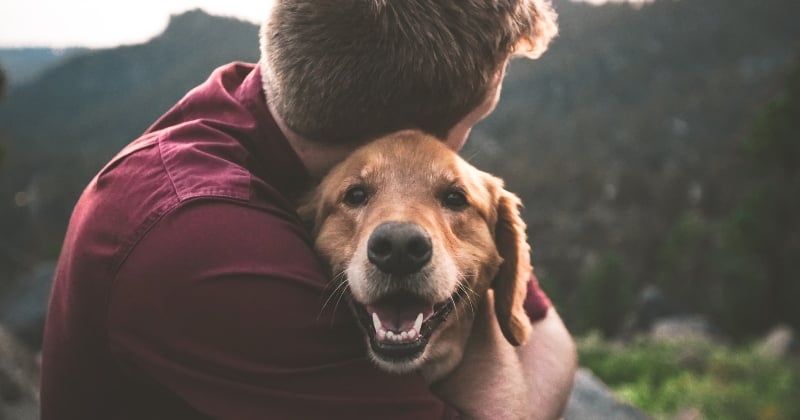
(550, 360)
(497, 380)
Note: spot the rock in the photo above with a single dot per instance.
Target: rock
(651, 304)
(780, 342)
(19, 373)
(691, 413)
(683, 328)
(591, 399)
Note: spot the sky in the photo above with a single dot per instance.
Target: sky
(104, 23)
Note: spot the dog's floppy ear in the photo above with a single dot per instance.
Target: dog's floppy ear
(510, 284)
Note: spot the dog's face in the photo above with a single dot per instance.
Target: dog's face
(419, 235)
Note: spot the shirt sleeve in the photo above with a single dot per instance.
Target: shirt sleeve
(536, 302)
(227, 307)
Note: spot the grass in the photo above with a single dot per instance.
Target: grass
(664, 378)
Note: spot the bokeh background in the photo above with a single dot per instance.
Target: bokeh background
(655, 146)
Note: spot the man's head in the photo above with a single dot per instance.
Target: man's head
(345, 71)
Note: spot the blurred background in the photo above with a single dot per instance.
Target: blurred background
(655, 146)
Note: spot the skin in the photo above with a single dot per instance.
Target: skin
(532, 381)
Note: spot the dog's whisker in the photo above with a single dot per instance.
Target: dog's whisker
(453, 301)
(339, 281)
(467, 293)
(341, 285)
(470, 303)
(336, 280)
(339, 300)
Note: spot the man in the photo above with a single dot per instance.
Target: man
(187, 287)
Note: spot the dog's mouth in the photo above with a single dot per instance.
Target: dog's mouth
(400, 325)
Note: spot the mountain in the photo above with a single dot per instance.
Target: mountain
(103, 98)
(25, 64)
(634, 119)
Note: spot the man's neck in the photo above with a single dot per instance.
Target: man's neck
(318, 158)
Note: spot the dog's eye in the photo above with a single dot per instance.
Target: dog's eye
(454, 199)
(355, 196)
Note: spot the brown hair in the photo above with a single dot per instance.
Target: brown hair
(350, 70)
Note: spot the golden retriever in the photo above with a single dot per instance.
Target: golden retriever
(418, 235)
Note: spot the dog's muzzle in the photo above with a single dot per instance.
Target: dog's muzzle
(400, 323)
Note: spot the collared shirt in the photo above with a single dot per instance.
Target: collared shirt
(188, 288)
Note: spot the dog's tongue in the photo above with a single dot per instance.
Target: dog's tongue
(400, 313)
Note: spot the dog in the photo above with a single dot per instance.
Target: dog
(416, 237)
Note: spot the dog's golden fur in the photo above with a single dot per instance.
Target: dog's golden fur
(476, 244)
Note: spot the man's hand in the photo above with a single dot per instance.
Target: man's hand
(498, 381)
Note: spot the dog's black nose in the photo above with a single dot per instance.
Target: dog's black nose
(399, 248)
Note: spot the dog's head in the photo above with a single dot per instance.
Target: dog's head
(419, 236)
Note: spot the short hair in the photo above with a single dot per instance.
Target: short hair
(346, 71)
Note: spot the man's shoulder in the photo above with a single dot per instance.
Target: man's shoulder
(159, 174)
(211, 147)
(220, 140)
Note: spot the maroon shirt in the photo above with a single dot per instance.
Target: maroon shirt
(187, 287)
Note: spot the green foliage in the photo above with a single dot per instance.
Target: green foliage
(743, 281)
(765, 228)
(605, 296)
(663, 378)
(683, 259)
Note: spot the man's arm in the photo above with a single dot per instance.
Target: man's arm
(496, 380)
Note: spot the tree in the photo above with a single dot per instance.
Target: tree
(742, 268)
(764, 230)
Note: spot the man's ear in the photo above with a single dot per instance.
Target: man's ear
(510, 284)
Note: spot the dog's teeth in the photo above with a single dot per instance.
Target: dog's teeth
(376, 321)
(382, 333)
